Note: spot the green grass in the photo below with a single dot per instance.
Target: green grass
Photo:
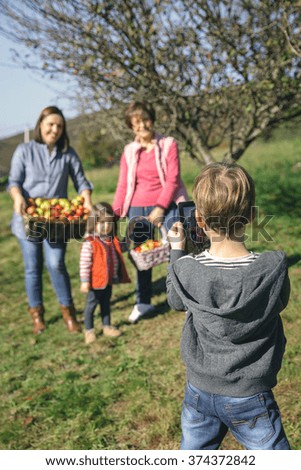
(58, 393)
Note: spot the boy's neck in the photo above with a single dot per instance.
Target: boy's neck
(223, 247)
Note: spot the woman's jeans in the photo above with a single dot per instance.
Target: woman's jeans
(55, 263)
(96, 297)
(145, 232)
(254, 421)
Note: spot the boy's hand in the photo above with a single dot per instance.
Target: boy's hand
(176, 236)
(85, 287)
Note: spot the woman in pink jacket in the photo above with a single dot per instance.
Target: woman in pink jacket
(150, 186)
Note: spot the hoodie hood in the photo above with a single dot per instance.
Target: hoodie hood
(240, 300)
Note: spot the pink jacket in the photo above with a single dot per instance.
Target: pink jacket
(126, 185)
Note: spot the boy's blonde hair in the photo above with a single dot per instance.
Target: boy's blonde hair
(224, 195)
(99, 212)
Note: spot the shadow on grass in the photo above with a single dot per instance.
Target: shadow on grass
(161, 309)
(122, 297)
(159, 285)
(54, 319)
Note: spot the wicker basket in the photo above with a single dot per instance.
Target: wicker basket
(60, 230)
(148, 259)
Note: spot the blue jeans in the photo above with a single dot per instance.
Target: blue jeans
(254, 421)
(144, 278)
(55, 263)
(96, 297)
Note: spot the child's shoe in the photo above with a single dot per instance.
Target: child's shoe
(90, 336)
(111, 331)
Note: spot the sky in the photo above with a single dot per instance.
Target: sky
(23, 94)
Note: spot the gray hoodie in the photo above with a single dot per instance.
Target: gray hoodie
(232, 340)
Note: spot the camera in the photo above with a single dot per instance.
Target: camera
(196, 240)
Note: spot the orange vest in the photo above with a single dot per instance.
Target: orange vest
(100, 269)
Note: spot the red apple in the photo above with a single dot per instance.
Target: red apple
(54, 212)
(30, 210)
(66, 212)
(79, 211)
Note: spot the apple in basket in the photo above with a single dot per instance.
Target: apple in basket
(148, 245)
(30, 210)
(57, 209)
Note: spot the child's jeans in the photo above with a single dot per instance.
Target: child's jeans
(96, 297)
(254, 421)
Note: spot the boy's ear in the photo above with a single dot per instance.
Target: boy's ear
(199, 219)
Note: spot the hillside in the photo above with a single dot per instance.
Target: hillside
(75, 127)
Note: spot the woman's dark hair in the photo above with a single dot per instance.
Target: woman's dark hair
(140, 109)
(99, 212)
(63, 142)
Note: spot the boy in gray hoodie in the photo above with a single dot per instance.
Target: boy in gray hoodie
(232, 340)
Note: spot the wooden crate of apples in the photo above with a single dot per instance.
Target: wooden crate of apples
(55, 219)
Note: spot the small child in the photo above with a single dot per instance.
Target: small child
(101, 265)
(232, 340)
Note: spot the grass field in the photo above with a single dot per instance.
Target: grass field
(58, 393)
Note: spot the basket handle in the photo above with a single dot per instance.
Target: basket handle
(163, 232)
(131, 227)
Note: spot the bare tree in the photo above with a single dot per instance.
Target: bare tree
(290, 28)
(219, 72)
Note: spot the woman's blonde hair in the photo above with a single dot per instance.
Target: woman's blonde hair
(99, 212)
(224, 195)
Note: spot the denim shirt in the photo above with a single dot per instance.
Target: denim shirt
(40, 174)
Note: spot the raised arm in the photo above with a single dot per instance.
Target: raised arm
(177, 243)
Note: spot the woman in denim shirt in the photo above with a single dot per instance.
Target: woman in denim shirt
(41, 168)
